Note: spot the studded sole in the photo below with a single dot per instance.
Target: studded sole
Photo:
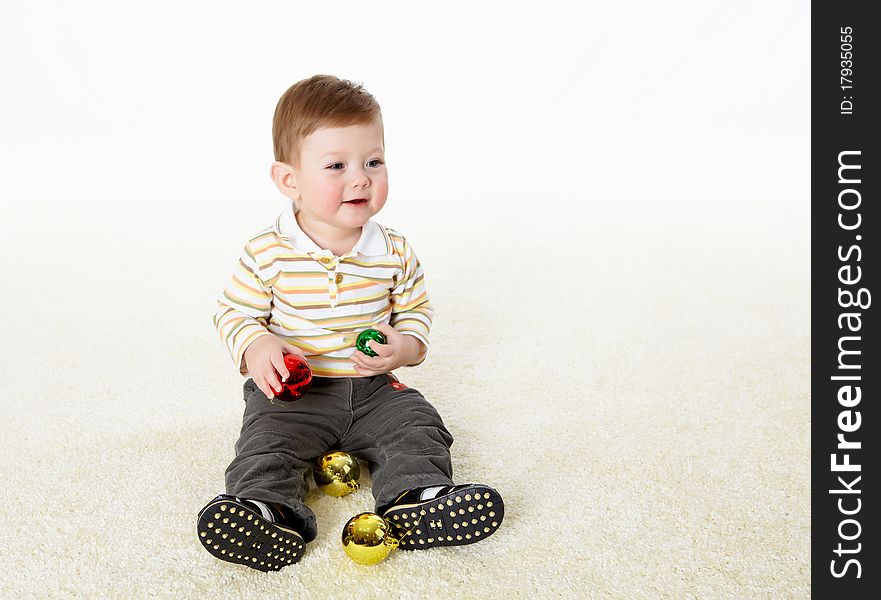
(233, 532)
(460, 517)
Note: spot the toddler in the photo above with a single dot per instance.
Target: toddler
(307, 285)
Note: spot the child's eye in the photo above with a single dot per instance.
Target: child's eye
(375, 160)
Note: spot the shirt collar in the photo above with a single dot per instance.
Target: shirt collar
(371, 243)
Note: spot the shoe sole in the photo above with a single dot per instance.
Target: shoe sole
(233, 532)
(460, 517)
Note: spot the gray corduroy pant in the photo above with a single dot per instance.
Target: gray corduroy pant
(397, 431)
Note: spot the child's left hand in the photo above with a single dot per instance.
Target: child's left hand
(398, 351)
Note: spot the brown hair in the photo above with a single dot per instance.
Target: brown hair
(319, 101)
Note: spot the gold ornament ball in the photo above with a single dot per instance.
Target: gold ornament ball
(337, 473)
(368, 539)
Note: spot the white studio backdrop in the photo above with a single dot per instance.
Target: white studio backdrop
(496, 102)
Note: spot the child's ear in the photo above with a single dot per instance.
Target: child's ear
(285, 179)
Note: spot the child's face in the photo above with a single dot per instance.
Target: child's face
(337, 165)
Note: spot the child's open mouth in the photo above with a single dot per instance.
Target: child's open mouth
(356, 202)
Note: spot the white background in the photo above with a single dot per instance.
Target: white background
(169, 102)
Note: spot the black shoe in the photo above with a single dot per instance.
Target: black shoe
(457, 515)
(235, 530)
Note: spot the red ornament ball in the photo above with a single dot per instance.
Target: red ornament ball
(298, 382)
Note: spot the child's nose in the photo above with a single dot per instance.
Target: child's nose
(359, 176)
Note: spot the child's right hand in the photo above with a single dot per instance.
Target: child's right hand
(264, 358)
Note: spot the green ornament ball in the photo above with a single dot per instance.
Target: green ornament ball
(364, 337)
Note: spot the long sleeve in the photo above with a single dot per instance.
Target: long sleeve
(243, 309)
(411, 310)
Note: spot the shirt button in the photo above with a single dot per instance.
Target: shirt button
(339, 278)
(324, 260)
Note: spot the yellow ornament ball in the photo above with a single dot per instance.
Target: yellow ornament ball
(337, 473)
(368, 539)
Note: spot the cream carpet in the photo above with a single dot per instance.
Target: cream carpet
(631, 374)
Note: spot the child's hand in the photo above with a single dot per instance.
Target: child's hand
(399, 350)
(264, 358)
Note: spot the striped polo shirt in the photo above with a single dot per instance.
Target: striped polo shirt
(286, 285)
